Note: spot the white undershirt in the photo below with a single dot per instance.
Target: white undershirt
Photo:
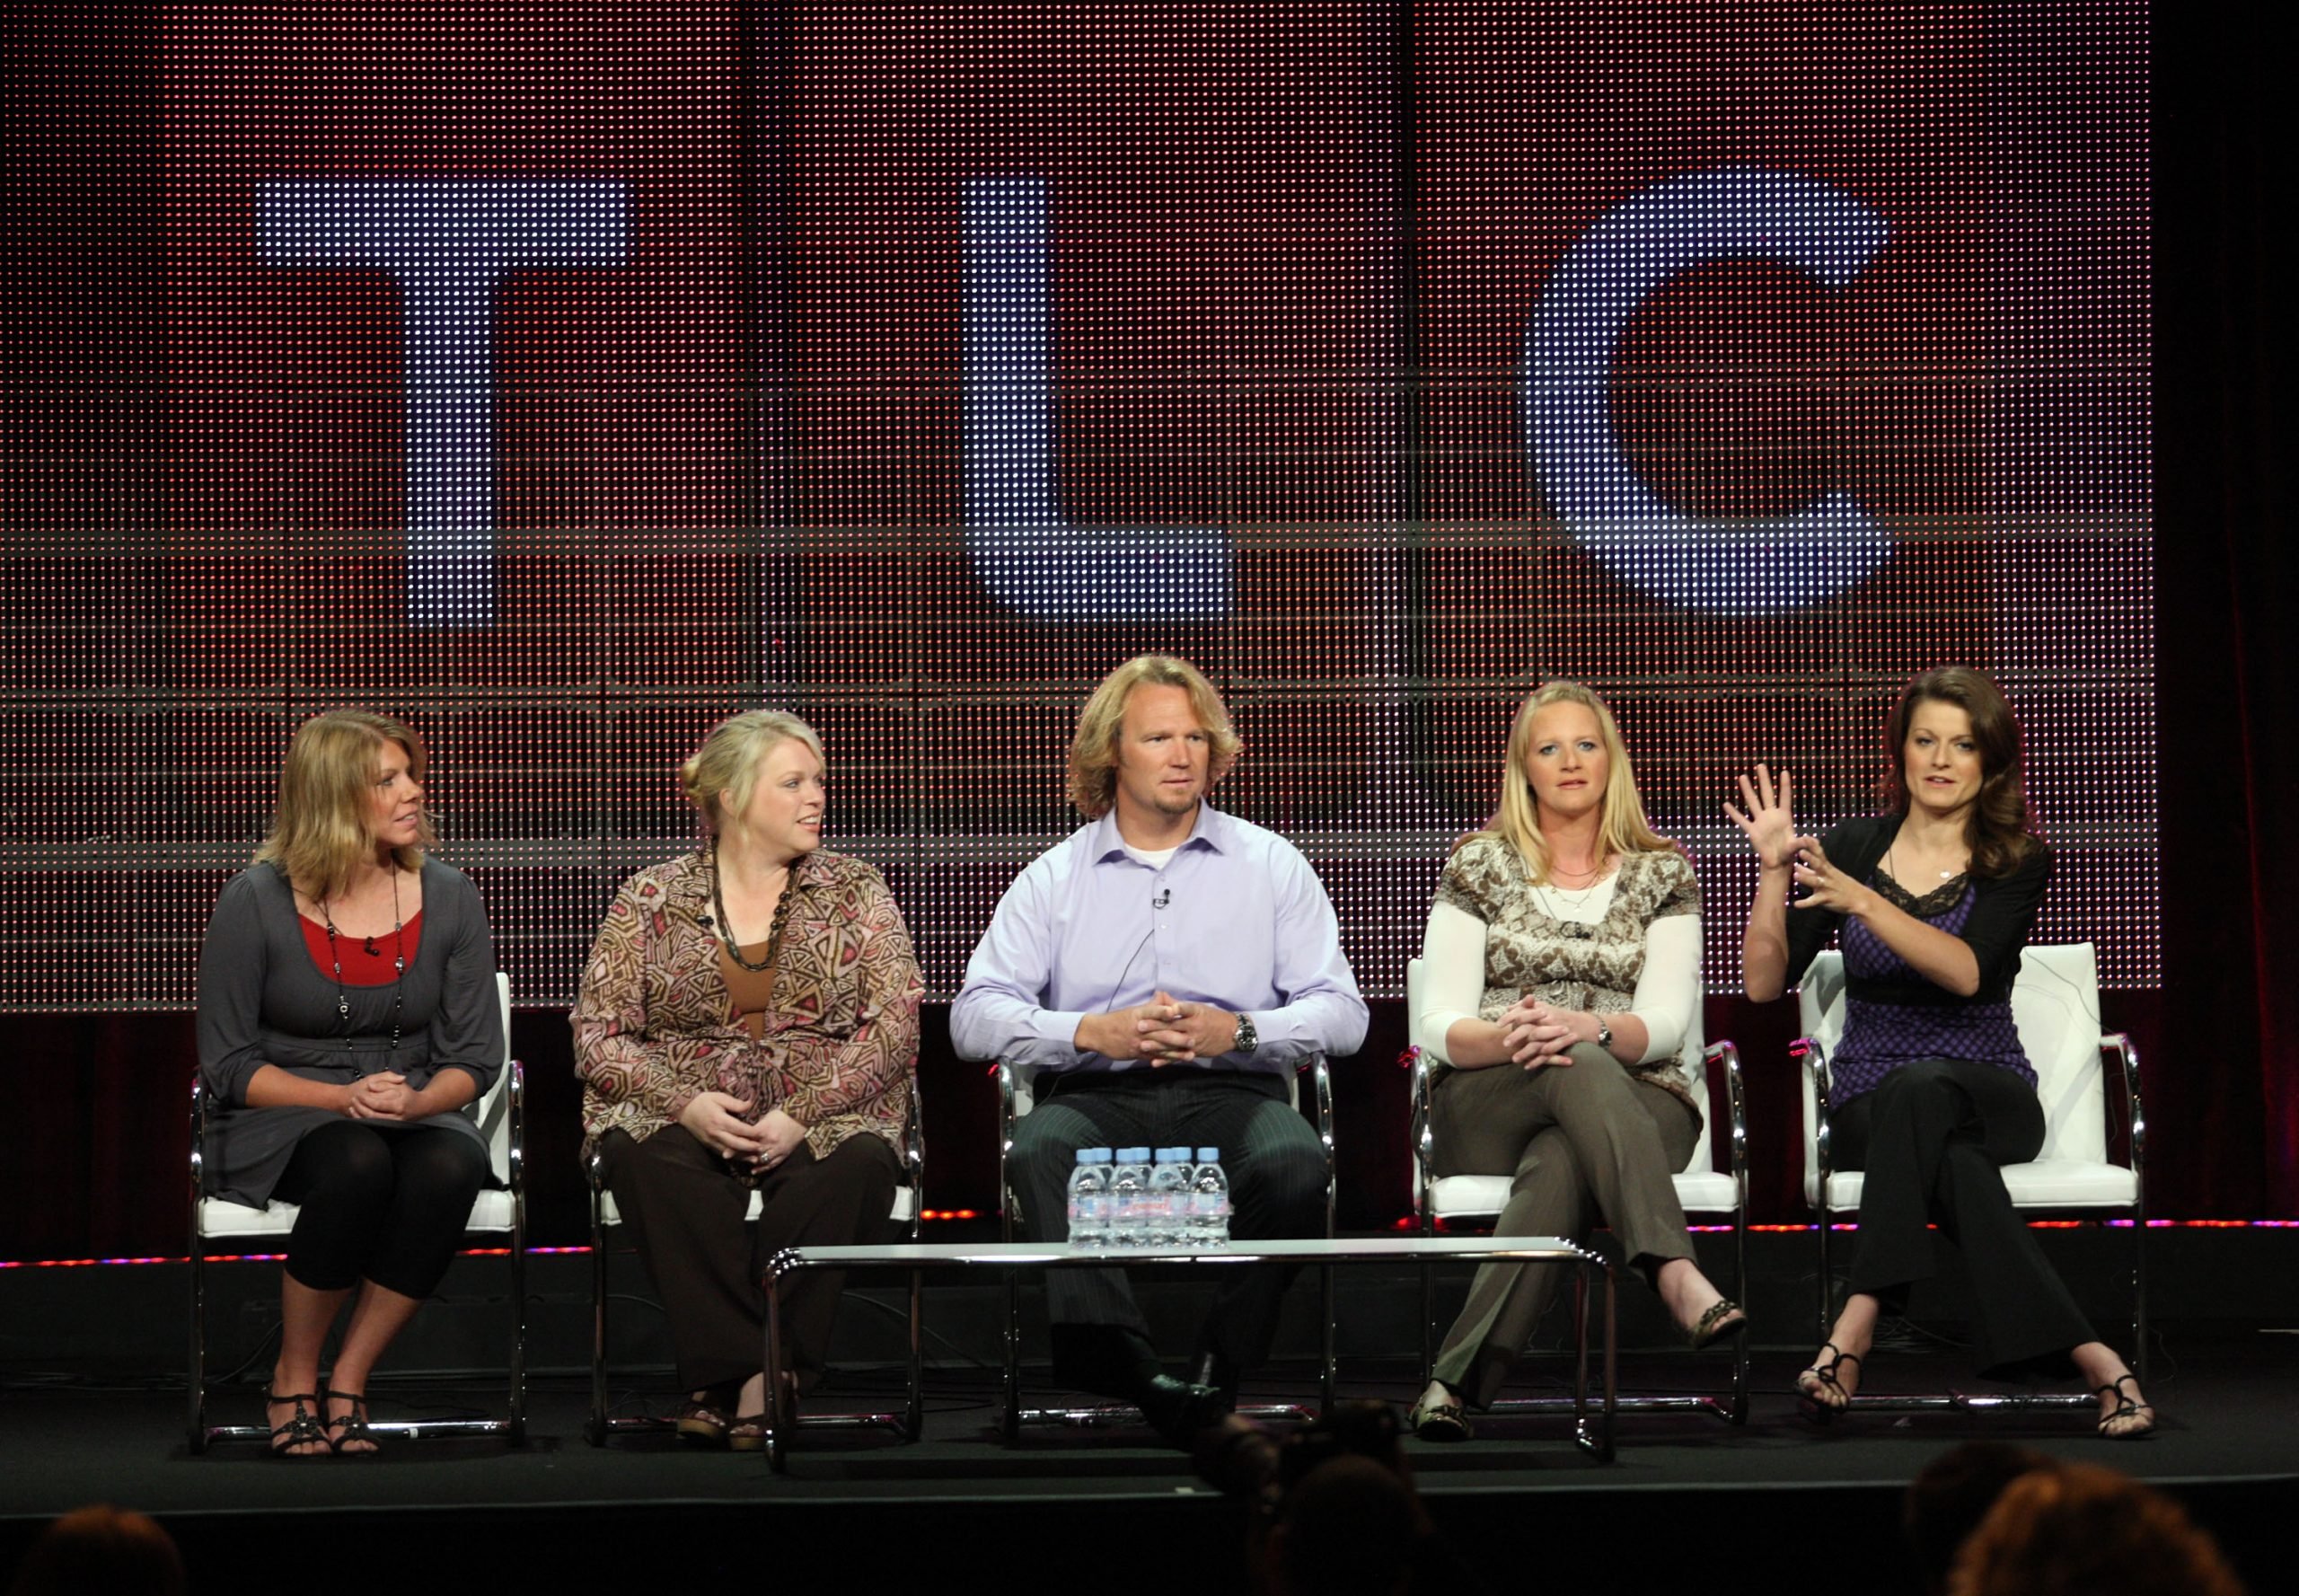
(1452, 984)
(1157, 859)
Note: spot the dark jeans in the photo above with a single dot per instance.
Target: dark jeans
(1931, 1139)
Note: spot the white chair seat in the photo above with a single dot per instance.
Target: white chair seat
(2047, 1183)
(219, 1219)
(1484, 1196)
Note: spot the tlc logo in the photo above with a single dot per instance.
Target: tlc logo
(451, 242)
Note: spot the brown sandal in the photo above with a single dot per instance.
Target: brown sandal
(1440, 1420)
(1718, 1323)
(703, 1419)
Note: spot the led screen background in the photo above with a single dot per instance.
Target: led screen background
(564, 378)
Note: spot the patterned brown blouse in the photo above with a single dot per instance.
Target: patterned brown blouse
(655, 1023)
(1590, 968)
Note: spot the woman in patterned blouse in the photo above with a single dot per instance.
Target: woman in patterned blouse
(1931, 1093)
(1563, 972)
(749, 1021)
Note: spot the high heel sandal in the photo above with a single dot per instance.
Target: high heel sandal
(354, 1425)
(1440, 1421)
(1718, 1323)
(301, 1430)
(2125, 1408)
(1821, 1377)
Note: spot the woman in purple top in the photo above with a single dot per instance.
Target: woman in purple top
(1932, 1093)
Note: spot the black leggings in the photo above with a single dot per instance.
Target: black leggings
(388, 1205)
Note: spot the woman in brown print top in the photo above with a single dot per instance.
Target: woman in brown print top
(749, 1019)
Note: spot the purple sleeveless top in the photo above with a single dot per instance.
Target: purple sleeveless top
(1878, 1037)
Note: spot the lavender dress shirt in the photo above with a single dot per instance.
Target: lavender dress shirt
(1235, 919)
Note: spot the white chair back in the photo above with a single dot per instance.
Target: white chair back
(492, 1112)
(2055, 1003)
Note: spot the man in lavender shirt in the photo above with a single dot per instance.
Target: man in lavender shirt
(1163, 971)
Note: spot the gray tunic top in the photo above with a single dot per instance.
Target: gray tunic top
(262, 1000)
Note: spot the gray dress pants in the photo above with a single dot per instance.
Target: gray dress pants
(1584, 1141)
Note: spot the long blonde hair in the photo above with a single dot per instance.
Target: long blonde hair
(1621, 829)
(1092, 751)
(319, 833)
(728, 760)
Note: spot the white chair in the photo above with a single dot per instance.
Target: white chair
(1015, 1100)
(1705, 1185)
(501, 1115)
(909, 1208)
(2055, 1003)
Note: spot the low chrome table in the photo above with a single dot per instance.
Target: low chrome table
(1592, 1433)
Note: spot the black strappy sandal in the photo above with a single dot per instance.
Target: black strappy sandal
(354, 1425)
(2125, 1408)
(301, 1429)
(1822, 1377)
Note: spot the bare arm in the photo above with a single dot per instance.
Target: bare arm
(1768, 823)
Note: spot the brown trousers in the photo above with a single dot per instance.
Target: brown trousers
(686, 1211)
(1584, 1141)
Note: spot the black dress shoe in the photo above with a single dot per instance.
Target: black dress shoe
(1178, 1410)
(1212, 1369)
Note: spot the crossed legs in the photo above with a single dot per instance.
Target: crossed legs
(1585, 1141)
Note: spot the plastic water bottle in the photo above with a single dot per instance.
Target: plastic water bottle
(1208, 1201)
(1089, 1200)
(1130, 1197)
(1168, 1224)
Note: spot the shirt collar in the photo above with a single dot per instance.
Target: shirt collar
(1211, 833)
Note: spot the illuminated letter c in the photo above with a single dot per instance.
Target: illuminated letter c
(1739, 567)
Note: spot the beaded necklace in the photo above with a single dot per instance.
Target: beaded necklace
(399, 968)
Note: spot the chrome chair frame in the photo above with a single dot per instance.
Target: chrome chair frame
(1820, 1006)
(507, 1149)
(1015, 1100)
(909, 1423)
(1732, 1406)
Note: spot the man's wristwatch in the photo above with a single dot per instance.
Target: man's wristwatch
(1248, 1038)
(1604, 1033)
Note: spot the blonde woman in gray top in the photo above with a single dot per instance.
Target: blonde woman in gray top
(1563, 973)
(346, 1018)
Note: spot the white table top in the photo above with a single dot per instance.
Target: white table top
(1371, 1249)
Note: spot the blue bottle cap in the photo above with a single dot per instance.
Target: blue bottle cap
(1209, 1155)
(1132, 1155)
(1173, 1155)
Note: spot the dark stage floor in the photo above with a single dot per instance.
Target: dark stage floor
(1685, 1492)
